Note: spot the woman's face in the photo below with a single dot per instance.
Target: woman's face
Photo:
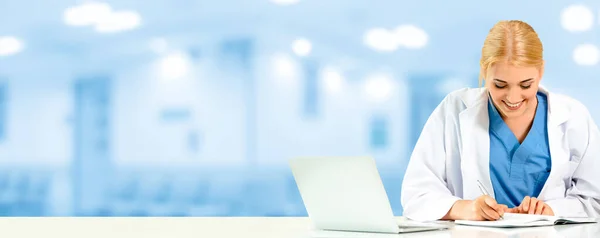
(513, 89)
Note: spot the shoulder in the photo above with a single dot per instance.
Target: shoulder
(575, 121)
(455, 102)
(575, 113)
(568, 104)
(458, 100)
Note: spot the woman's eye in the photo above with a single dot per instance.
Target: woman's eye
(526, 86)
(500, 86)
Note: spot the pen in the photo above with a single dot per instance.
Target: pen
(485, 192)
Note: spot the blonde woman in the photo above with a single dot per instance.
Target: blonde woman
(530, 150)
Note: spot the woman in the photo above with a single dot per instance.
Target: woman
(534, 151)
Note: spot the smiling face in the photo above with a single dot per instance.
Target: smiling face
(513, 89)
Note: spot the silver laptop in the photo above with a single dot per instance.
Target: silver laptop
(346, 194)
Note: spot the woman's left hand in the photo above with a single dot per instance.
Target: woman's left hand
(531, 205)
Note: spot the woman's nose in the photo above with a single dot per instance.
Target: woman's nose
(514, 96)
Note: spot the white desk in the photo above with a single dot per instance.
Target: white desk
(252, 227)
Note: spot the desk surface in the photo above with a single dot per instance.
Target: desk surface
(247, 227)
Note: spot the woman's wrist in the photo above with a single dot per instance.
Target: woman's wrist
(459, 210)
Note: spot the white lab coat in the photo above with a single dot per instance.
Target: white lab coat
(452, 153)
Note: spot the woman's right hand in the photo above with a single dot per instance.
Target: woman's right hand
(481, 209)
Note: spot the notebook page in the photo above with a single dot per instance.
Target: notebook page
(506, 223)
(554, 219)
(525, 220)
(528, 217)
(513, 220)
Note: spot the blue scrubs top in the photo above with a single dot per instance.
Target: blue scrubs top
(518, 170)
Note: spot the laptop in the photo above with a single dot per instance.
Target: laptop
(347, 194)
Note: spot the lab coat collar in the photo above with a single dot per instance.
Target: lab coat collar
(558, 112)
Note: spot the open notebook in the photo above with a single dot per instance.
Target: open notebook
(526, 220)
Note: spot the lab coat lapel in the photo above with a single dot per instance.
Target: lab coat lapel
(475, 141)
(558, 113)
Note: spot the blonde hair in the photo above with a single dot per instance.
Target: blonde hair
(513, 42)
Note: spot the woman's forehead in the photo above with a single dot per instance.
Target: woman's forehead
(509, 72)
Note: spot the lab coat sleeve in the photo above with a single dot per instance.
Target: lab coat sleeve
(583, 197)
(425, 196)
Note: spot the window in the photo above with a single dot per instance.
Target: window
(91, 163)
(3, 109)
(311, 89)
(423, 101)
(175, 114)
(193, 141)
(379, 135)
